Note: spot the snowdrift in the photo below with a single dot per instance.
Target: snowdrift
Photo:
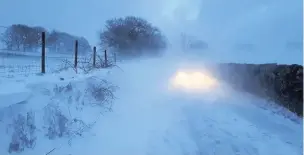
(51, 109)
(13, 93)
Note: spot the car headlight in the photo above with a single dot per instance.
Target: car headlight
(193, 81)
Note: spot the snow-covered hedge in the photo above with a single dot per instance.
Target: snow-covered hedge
(282, 84)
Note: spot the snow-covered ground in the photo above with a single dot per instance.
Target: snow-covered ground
(24, 65)
(29, 63)
(147, 118)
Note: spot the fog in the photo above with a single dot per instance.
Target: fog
(150, 117)
(265, 30)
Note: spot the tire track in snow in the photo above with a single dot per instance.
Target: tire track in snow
(218, 129)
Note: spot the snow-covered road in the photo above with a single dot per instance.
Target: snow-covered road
(147, 120)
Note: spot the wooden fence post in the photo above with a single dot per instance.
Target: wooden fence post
(94, 56)
(43, 52)
(76, 54)
(106, 58)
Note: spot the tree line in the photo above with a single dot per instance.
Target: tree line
(26, 38)
(134, 36)
(128, 36)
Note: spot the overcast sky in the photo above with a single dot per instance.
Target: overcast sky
(264, 22)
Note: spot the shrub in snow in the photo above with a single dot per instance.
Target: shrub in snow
(61, 125)
(63, 116)
(23, 133)
(63, 89)
(101, 63)
(56, 121)
(85, 64)
(101, 92)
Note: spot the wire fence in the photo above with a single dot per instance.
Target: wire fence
(44, 57)
(18, 70)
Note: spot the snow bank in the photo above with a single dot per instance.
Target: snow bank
(13, 93)
(58, 107)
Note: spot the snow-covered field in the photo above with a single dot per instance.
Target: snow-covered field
(29, 63)
(146, 118)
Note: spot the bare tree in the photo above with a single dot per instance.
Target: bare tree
(19, 36)
(7, 38)
(132, 35)
(11, 37)
(64, 42)
(33, 37)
